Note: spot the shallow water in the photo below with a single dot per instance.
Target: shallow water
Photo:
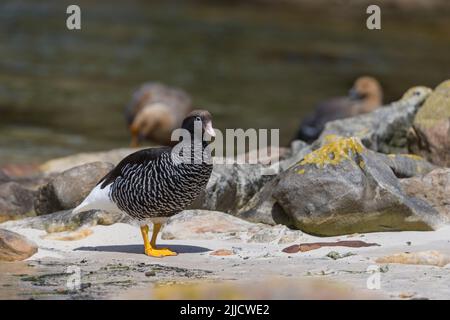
(257, 66)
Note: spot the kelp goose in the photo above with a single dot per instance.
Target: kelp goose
(365, 96)
(154, 111)
(156, 183)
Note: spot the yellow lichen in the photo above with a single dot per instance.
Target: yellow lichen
(334, 152)
(362, 164)
(301, 171)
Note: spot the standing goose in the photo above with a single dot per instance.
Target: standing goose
(154, 111)
(365, 96)
(156, 183)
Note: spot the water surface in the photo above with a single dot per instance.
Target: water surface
(251, 65)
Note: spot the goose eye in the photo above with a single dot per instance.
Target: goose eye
(198, 119)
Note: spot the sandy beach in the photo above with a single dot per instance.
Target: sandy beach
(111, 264)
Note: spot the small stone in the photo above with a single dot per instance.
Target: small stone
(336, 255)
(150, 273)
(222, 252)
(433, 257)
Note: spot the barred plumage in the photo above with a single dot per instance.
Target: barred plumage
(157, 182)
(158, 187)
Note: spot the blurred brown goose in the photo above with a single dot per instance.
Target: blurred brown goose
(155, 111)
(365, 96)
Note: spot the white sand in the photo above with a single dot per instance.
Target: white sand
(123, 241)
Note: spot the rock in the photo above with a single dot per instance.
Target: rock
(406, 165)
(430, 132)
(265, 156)
(69, 235)
(336, 255)
(231, 186)
(303, 247)
(4, 177)
(67, 221)
(20, 170)
(298, 150)
(68, 189)
(222, 252)
(385, 129)
(207, 225)
(341, 188)
(433, 188)
(15, 201)
(66, 163)
(29, 181)
(433, 258)
(15, 247)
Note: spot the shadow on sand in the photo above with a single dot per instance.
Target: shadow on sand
(139, 248)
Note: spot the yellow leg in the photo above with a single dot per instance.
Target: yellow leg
(150, 246)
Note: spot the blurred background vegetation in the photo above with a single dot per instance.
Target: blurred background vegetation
(261, 64)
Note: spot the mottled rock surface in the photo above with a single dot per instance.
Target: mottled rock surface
(384, 130)
(15, 201)
(406, 165)
(202, 224)
(433, 188)
(15, 247)
(231, 186)
(69, 188)
(67, 220)
(430, 132)
(340, 188)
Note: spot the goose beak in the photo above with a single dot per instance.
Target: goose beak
(134, 137)
(210, 130)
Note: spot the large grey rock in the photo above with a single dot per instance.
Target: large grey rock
(385, 129)
(67, 220)
(15, 247)
(15, 201)
(208, 225)
(68, 189)
(339, 189)
(430, 133)
(433, 188)
(298, 150)
(231, 186)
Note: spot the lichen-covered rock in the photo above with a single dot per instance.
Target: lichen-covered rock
(68, 189)
(15, 201)
(231, 186)
(15, 247)
(67, 221)
(202, 224)
(433, 188)
(338, 189)
(430, 132)
(385, 129)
